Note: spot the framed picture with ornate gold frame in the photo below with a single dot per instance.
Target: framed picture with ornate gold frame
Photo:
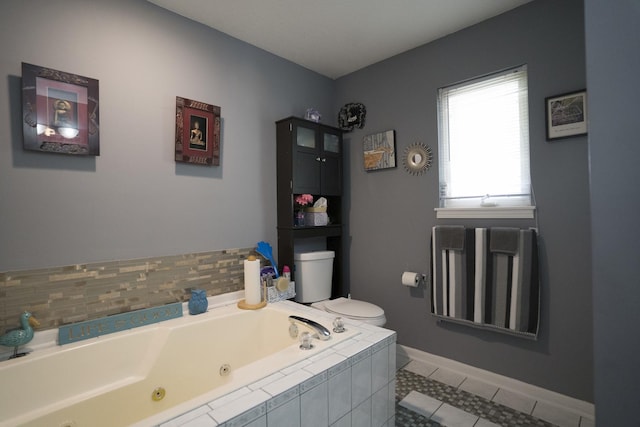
(197, 132)
(59, 112)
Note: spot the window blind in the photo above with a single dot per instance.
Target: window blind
(484, 141)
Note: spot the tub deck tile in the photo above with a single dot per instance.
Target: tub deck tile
(294, 368)
(227, 398)
(184, 419)
(356, 349)
(321, 355)
(325, 363)
(202, 421)
(267, 380)
(289, 381)
(378, 337)
(242, 411)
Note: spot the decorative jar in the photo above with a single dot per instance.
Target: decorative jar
(198, 302)
(301, 200)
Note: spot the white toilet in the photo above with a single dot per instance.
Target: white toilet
(313, 285)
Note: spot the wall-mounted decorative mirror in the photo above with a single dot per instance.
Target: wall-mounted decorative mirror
(417, 158)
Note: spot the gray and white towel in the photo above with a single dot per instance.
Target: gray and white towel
(492, 280)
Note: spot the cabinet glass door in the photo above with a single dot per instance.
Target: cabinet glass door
(331, 173)
(306, 161)
(331, 143)
(305, 137)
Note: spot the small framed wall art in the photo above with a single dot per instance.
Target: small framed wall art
(60, 112)
(379, 151)
(566, 115)
(197, 132)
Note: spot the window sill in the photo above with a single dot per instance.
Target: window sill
(526, 212)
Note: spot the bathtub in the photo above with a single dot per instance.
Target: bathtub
(166, 371)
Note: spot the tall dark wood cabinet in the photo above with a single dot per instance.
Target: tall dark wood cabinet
(309, 161)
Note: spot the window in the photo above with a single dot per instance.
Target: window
(484, 142)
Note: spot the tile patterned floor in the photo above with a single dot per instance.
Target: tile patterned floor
(429, 397)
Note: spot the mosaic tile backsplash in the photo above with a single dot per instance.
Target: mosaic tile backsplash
(63, 295)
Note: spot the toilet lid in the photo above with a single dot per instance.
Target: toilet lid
(353, 308)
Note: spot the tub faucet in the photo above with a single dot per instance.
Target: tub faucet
(321, 332)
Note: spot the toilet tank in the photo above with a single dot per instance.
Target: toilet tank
(313, 275)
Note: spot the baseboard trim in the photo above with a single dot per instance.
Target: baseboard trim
(581, 407)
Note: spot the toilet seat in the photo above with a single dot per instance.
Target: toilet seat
(357, 310)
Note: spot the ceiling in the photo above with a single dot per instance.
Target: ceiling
(337, 37)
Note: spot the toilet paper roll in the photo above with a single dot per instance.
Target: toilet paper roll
(252, 281)
(409, 278)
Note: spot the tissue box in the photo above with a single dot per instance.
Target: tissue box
(315, 218)
(274, 295)
(316, 209)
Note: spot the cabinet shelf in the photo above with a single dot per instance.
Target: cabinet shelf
(314, 231)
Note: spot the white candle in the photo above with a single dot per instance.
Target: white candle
(252, 281)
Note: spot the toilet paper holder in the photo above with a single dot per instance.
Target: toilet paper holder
(412, 279)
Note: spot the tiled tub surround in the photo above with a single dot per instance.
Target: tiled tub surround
(63, 295)
(349, 384)
(348, 380)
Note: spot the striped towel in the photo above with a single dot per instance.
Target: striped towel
(450, 264)
(487, 283)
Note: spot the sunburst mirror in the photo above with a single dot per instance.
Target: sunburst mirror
(417, 158)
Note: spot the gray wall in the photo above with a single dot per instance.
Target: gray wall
(613, 67)
(392, 212)
(134, 200)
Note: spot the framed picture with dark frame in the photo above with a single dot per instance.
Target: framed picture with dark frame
(197, 132)
(60, 111)
(379, 151)
(566, 115)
